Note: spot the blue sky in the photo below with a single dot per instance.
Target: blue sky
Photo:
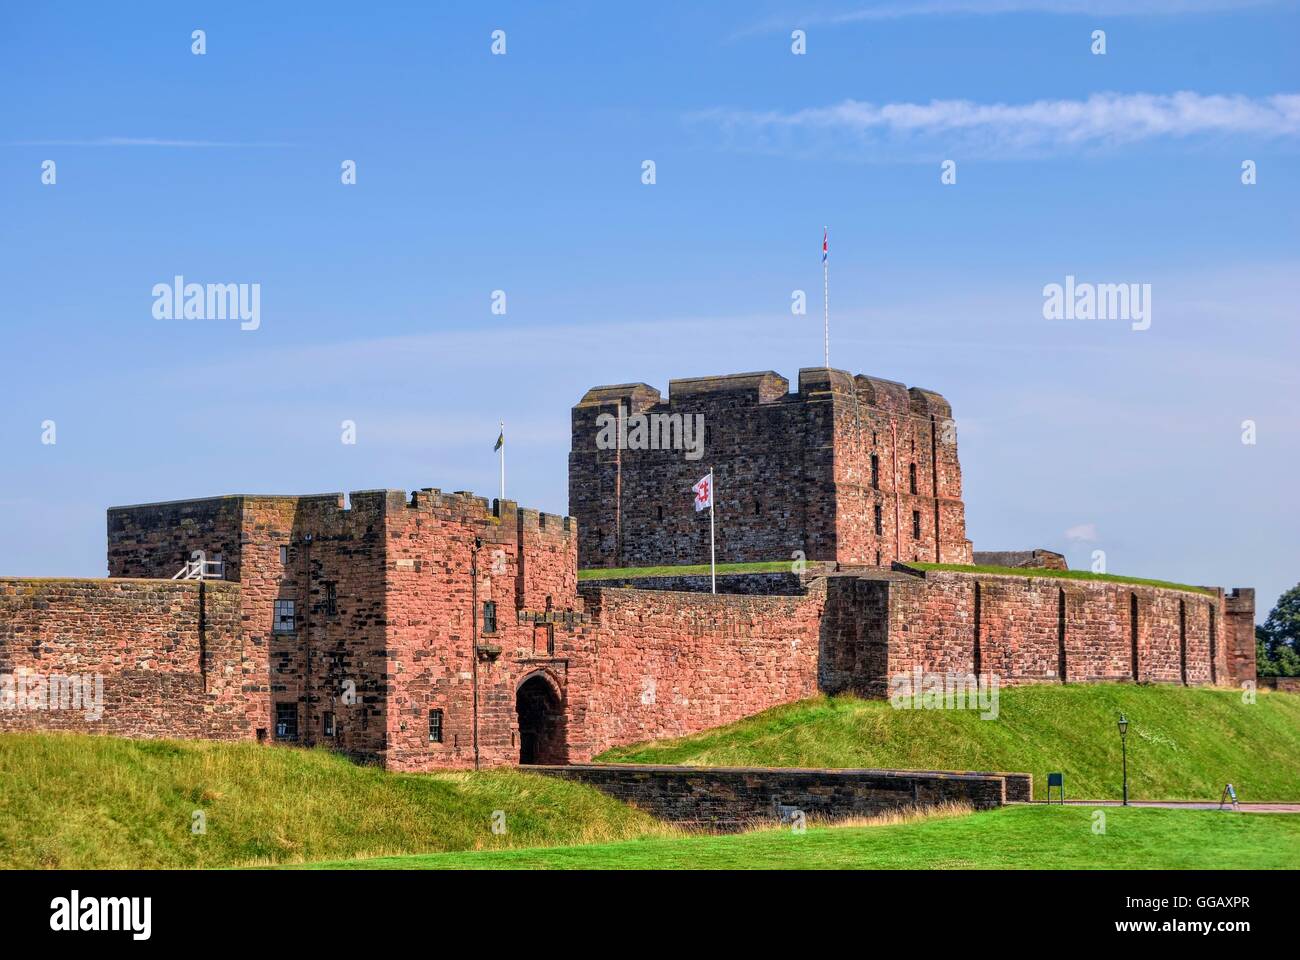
(522, 173)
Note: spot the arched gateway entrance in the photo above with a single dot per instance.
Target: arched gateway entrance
(541, 720)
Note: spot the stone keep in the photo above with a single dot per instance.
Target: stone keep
(852, 469)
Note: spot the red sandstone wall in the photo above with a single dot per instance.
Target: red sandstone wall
(333, 662)
(548, 552)
(908, 431)
(1237, 626)
(668, 664)
(169, 654)
(636, 665)
(430, 616)
(155, 540)
(932, 625)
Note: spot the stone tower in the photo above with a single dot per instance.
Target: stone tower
(853, 469)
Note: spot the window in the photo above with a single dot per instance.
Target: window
(911, 477)
(916, 524)
(489, 616)
(286, 721)
(880, 522)
(284, 619)
(284, 555)
(435, 726)
(331, 600)
(661, 514)
(327, 724)
(875, 472)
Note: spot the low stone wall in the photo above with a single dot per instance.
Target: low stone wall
(1285, 684)
(1019, 789)
(731, 798)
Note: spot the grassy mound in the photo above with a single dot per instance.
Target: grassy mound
(1183, 743)
(101, 802)
(1059, 574)
(1011, 838)
(690, 570)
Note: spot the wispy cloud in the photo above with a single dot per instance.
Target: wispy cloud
(875, 12)
(1082, 533)
(898, 130)
(143, 142)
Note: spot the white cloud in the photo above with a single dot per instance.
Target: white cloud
(968, 128)
(875, 12)
(1082, 533)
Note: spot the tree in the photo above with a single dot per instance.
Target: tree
(1277, 642)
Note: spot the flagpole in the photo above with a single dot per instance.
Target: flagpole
(713, 557)
(503, 461)
(826, 294)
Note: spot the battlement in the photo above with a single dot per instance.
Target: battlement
(764, 387)
(767, 387)
(634, 396)
(549, 523)
(462, 505)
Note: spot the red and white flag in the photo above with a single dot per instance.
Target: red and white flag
(704, 493)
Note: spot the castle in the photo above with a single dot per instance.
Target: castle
(437, 630)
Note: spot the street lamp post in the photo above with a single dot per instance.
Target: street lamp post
(1123, 745)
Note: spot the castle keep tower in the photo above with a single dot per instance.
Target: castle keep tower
(852, 469)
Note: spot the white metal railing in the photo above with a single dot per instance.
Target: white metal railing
(198, 567)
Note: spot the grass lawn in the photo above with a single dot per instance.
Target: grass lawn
(695, 570)
(785, 566)
(1013, 837)
(78, 801)
(1183, 743)
(1060, 574)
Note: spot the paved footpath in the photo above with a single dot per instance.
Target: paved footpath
(1188, 805)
